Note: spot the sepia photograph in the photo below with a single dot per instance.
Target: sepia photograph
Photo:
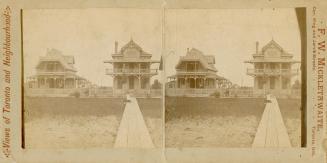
(92, 78)
(233, 78)
(168, 81)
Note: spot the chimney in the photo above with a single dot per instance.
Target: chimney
(257, 47)
(116, 47)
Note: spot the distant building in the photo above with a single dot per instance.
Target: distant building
(131, 70)
(196, 75)
(55, 76)
(272, 70)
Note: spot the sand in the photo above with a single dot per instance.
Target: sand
(220, 131)
(71, 132)
(81, 132)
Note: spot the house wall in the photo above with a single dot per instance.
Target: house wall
(272, 81)
(57, 82)
(131, 67)
(280, 83)
(195, 83)
(125, 82)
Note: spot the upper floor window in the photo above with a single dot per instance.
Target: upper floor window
(286, 66)
(259, 66)
(50, 66)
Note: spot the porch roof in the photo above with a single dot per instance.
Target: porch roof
(67, 61)
(194, 54)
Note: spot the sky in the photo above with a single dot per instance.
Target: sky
(230, 35)
(89, 35)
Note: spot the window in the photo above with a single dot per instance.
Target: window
(119, 83)
(260, 82)
(131, 82)
(144, 83)
(285, 82)
(50, 66)
(190, 66)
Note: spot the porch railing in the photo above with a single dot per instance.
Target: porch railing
(272, 71)
(185, 72)
(231, 92)
(131, 71)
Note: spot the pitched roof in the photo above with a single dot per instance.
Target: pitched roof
(285, 56)
(67, 61)
(132, 44)
(272, 43)
(194, 54)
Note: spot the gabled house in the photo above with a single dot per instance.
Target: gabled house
(272, 70)
(131, 69)
(196, 74)
(55, 74)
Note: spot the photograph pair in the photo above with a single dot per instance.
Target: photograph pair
(163, 78)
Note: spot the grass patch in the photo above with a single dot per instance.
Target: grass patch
(150, 107)
(177, 107)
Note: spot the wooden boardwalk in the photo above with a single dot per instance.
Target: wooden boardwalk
(133, 132)
(271, 131)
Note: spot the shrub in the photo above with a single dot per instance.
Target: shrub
(87, 92)
(235, 95)
(76, 94)
(216, 94)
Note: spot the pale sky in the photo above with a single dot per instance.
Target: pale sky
(229, 35)
(89, 35)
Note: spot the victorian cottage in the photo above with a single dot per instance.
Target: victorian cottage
(272, 72)
(196, 76)
(131, 70)
(55, 76)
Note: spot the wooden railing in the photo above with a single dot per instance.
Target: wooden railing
(231, 92)
(272, 71)
(131, 71)
(50, 92)
(189, 92)
(180, 72)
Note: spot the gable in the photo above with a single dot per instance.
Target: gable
(131, 53)
(133, 50)
(272, 50)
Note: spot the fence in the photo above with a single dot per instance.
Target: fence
(54, 92)
(231, 92)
